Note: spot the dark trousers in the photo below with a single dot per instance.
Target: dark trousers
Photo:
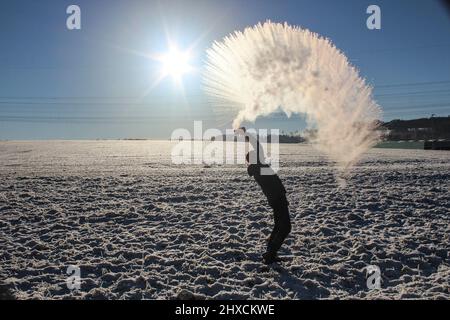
(282, 225)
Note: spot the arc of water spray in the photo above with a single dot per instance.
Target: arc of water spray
(272, 65)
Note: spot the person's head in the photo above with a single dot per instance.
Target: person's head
(240, 131)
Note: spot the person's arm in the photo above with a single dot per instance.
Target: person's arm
(256, 145)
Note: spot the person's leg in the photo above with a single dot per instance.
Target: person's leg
(270, 256)
(283, 227)
(276, 227)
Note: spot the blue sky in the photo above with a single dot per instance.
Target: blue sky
(90, 83)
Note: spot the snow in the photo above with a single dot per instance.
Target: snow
(140, 227)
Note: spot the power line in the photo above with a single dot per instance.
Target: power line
(125, 103)
(447, 91)
(111, 120)
(133, 99)
(429, 107)
(400, 49)
(411, 84)
(163, 96)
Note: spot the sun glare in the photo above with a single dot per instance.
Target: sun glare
(176, 63)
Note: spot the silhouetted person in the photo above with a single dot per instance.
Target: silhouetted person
(275, 192)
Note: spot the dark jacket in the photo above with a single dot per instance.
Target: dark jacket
(271, 185)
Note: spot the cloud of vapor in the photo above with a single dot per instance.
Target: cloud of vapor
(271, 66)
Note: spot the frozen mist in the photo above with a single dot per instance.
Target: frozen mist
(140, 227)
(271, 66)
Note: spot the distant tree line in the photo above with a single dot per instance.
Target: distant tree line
(292, 137)
(434, 128)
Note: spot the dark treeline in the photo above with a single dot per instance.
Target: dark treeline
(433, 128)
(282, 138)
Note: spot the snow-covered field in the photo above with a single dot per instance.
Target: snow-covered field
(141, 227)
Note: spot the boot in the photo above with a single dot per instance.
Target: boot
(270, 257)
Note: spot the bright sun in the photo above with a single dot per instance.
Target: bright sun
(175, 63)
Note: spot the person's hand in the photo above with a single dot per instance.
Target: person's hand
(240, 131)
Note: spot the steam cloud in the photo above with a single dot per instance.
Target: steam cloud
(271, 66)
